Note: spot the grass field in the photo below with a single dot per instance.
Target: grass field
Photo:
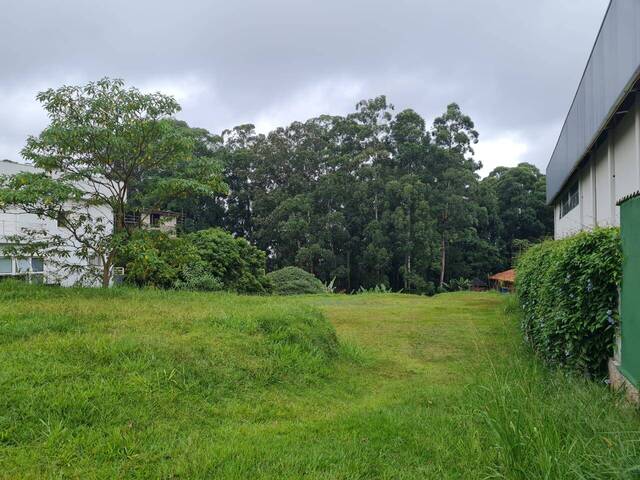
(153, 384)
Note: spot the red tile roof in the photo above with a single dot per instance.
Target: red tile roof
(506, 276)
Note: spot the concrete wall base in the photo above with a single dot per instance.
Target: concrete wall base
(619, 382)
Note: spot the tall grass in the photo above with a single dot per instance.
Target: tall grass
(152, 384)
(536, 422)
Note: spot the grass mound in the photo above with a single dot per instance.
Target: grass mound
(89, 373)
(293, 281)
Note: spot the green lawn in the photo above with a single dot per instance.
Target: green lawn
(130, 384)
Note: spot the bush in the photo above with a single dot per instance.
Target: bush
(569, 296)
(240, 266)
(155, 259)
(294, 280)
(206, 260)
(199, 279)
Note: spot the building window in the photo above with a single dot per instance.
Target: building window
(6, 265)
(37, 265)
(570, 200)
(28, 269)
(155, 219)
(23, 265)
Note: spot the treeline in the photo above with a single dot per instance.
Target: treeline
(373, 197)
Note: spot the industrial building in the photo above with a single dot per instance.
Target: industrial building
(596, 161)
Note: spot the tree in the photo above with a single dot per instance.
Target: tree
(101, 139)
(455, 131)
(454, 178)
(520, 194)
(192, 186)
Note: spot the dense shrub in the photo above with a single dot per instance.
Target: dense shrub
(294, 280)
(239, 265)
(206, 260)
(568, 292)
(153, 258)
(197, 277)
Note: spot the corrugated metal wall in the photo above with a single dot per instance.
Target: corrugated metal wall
(613, 64)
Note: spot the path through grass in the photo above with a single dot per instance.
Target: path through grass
(129, 384)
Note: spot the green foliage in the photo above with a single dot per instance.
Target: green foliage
(191, 185)
(101, 133)
(155, 259)
(517, 201)
(102, 142)
(457, 285)
(568, 290)
(206, 260)
(293, 281)
(198, 278)
(375, 197)
(380, 288)
(330, 287)
(235, 262)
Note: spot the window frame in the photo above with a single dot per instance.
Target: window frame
(11, 266)
(570, 199)
(28, 262)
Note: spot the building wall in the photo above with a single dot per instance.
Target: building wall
(604, 191)
(13, 222)
(612, 172)
(587, 196)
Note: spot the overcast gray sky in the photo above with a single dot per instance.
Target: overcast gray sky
(513, 65)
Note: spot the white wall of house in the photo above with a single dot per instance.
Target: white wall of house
(13, 222)
(612, 172)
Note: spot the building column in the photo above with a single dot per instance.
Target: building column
(611, 164)
(579, 176)
(594, 193)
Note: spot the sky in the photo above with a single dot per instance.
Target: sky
(512, 65)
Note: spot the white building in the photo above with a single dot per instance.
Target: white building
(596, 161)
(13, 221)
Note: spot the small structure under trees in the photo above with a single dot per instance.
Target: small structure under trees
(504, 281)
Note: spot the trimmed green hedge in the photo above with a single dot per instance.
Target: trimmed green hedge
(293, 281)
(568, 290)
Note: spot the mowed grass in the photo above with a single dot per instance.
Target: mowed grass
(154, 384)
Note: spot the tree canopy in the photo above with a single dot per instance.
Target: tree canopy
(103, 139)
(369, 198)
(376, 197)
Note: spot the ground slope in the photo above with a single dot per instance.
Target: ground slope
(128, 384)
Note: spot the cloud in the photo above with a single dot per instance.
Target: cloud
(187, 89)
(20, 116)
(506, 150)
(513, 66)
(308, 102)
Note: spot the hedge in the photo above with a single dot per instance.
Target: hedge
(568, 290)
(294, 281)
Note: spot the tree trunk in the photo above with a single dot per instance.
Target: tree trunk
(375, 206)
(348, 271)
(410, 247)
(106, 275)
(443, 258)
